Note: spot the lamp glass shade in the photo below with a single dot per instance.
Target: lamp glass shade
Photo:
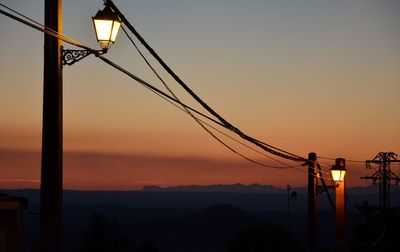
(338, 175)
(106, 24)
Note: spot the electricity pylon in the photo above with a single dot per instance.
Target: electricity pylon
(383, 175)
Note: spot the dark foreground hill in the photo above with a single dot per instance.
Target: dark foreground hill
(178, 220)
(214, 228)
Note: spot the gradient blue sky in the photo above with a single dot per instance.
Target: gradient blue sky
(304, 75)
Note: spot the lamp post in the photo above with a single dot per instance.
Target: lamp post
(51, 188)
(338, 172)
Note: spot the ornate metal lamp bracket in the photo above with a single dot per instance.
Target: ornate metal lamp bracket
(69, 57)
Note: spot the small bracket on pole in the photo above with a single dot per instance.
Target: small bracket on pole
(69, 57)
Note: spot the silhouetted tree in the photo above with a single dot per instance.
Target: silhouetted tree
(102, 235)
(265, 238)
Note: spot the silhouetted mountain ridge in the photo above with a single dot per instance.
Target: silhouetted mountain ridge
(253, 197)
(234, 188)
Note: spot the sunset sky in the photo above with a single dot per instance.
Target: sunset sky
(305, 76)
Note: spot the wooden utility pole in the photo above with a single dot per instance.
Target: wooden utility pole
(52, 162)
(312, 203)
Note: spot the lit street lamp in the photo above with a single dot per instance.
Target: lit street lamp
(338, 172)
(51, 187)
(106, 24)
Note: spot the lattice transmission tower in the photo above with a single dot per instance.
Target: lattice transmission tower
(383, 175)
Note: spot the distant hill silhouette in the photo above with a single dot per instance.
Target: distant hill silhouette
(235, 188)
(253, 197)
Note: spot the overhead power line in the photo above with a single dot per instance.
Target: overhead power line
(200, 122)
(347, 160)
(156, 90)
(174, 102)
(269, 148)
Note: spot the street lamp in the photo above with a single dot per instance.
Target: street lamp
(338, 172)
(55, 56)
(106, 24)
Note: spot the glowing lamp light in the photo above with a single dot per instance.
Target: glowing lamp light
(106, 24)
(338, 171)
